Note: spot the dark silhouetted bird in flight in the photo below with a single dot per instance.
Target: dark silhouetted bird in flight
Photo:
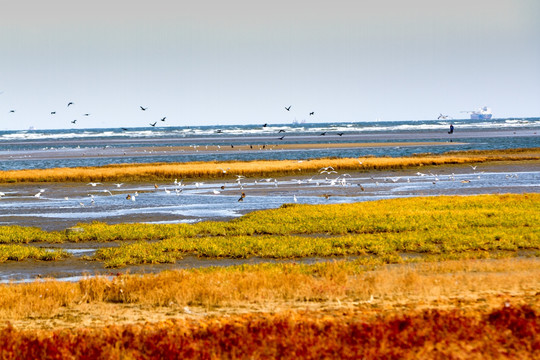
(322, 134)
(53, 112)
(74, 121)
(143, 108)
(265, 125)
(70, 103)
(340, 134)
(163, 118)
(288, 108)
(281, 138)
(312, 113)
(281, 130)
(11, 111)
(86, 114)
(153, 124)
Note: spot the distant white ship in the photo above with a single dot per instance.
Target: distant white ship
(484, 113)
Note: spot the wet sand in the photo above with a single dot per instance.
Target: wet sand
(147, 151)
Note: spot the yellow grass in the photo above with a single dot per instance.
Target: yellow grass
(275, 286)
(161, 171)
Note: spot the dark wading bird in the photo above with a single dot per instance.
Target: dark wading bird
(242, 197)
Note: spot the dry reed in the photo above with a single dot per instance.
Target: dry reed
(161, 171)
(259, 285)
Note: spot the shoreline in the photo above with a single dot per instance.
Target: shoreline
(172, 150)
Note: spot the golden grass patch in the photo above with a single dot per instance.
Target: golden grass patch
(168, 171)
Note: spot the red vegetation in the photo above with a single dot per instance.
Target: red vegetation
(509, 332)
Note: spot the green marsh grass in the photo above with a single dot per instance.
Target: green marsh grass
(450, 226)
(19, 252)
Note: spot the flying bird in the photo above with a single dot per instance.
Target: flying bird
(69, 104)
(265, 125)
(288, 108)
(74, 121)
(340, 134)
(94, 184)
(163, 118)
(153, 124)
(441, 116)
(86, 114)
(11, 111)
(143, 108)
(53, 112)
(281, 131)
(281, 138)
(322, 134)
(312, 113)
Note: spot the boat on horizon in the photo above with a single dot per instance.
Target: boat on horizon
(484, 113)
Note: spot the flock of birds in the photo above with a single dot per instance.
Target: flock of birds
(144, 108)
(327, 180)
(164, 118)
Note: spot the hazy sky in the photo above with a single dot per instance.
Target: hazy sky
(242, 61)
